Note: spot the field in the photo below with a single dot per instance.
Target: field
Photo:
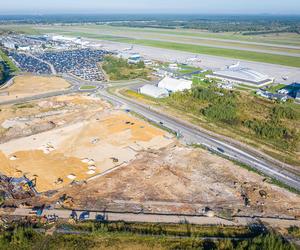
(271, 48)
(102, 158)
(12, 67)
(237, 54)
(119, 69)
(180, 180)
(60, 153)
(87, 87)
(27, 85)
(192, 36)
(101, 238)
(240, 116)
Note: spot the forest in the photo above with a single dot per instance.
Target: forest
(101, 237)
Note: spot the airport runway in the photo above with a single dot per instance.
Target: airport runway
(200, 42)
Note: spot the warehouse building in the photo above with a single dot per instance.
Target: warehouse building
(242, 76)
(174, 85)
(153, 91)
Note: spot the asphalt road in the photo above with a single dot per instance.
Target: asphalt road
(159, 218)
(192, 135)
(75, 88)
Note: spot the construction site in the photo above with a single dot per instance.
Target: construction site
(78, 151)
(28, 85)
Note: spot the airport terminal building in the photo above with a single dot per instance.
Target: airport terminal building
(242, 76)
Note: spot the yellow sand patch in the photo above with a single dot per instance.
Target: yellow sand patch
(109, 139)
(78, 100)
(31, 85)
(140, 131)
(46, 168)
(6, 166)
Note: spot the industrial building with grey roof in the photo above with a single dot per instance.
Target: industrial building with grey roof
(243, 76)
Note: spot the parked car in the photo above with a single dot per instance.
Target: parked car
(84, 215)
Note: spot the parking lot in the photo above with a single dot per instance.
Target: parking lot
(81, 62)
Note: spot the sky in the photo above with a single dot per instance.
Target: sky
(150, 6)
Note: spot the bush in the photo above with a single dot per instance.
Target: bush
(282, 112)
(223, 113)
(294, 231)
(120, 69)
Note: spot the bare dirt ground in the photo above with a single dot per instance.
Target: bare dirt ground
(84, 139)
(28, 85)
(178, 179)
(71, 143)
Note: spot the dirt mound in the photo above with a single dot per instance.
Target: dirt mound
(180, 179)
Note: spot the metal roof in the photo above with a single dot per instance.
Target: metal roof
(243, 74)
(154, 91)
(173, 84)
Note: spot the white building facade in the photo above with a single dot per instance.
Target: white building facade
(154, 91)
(175, 85)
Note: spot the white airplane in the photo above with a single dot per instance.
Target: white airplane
(234, 66)
(128, 49)
(193, 59)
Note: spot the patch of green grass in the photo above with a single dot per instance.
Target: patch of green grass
(185, 69)
(87, 87)
(283, 38)
(176, 229)
(294, 231)
(230, 53)
(197, 81)
(120, 69)
(24, 106)
(22, 29)
(275, 88)
(13, 68)
(252, 120)
(121, 235)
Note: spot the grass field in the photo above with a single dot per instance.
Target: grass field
(275, 88)
(119, 69)
(134, 236)
(280, 39)
(128, 35)
(13, 68)
(248, 108)
(227, 37)
(198, 40)
(87, 87)
(229, 53)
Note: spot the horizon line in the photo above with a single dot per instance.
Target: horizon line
(143, 13)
